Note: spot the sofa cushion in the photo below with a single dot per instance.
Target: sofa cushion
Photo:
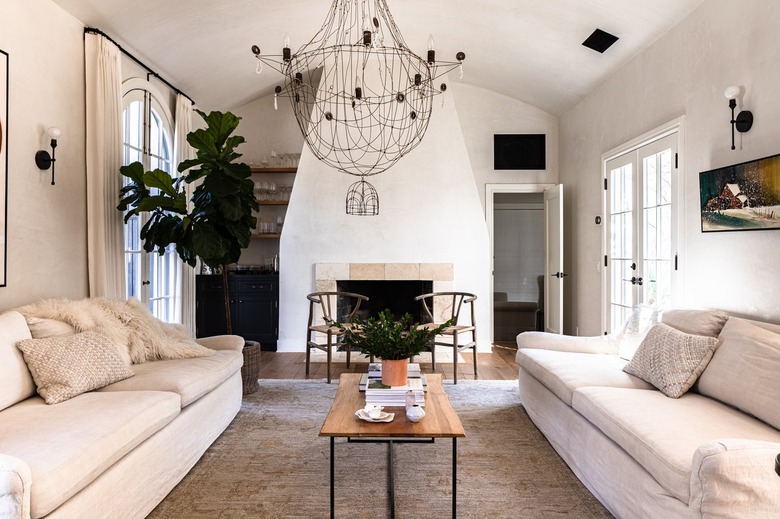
(563, 372)
(695, 322)
(189, 378)
(745, 370)
(64, 367)
(70, 444)
(16, 382)
(662, 434)
(671, 360)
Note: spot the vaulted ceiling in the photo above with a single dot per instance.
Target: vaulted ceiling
(530, 50)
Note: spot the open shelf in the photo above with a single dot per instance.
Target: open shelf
(273, 202)
(267, 236)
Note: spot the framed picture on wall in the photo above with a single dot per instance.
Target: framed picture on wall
(3, 163)
(741, 197)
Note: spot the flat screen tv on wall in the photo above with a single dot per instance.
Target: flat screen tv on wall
(519, 151)
(741, 197)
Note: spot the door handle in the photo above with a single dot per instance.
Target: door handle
(559, 275)
(635, 281)
(146, 282)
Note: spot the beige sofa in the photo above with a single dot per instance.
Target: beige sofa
(708, 453)
(115, 452)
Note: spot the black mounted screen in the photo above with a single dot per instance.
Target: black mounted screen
(519, 151)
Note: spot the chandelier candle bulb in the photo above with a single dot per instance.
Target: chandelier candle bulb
(431, 49)
(286, 55)
(358, 88)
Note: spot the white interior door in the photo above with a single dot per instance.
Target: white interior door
(553, 273)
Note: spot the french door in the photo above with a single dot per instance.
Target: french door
(153, 278)
(641, 228)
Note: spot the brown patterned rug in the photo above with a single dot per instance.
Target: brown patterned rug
(271, 463)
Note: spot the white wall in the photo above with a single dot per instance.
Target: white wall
(483, 113)
(47, 251)
(685, 72)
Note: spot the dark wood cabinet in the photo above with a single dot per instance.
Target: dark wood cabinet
(254, 307)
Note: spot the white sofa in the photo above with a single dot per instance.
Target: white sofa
(709, 453)
(115, 452)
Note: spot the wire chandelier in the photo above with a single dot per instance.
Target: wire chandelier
(361, 97)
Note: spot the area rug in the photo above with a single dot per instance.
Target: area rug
(271, 463)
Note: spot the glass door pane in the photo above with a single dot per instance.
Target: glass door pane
(621, 251)
(656, 254)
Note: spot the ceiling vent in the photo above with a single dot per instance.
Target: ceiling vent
(600, 40)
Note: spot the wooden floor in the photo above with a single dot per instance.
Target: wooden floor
(498, 365)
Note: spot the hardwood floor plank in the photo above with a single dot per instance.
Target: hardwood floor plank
(498, 365)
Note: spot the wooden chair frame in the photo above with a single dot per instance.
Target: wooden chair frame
(327, 302)
(459, 299)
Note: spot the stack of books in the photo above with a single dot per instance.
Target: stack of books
(392, 396)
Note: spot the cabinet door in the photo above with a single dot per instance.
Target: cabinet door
(210, 307)
(258, 312)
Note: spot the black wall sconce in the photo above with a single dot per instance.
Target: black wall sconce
(42, 158)
(744, 120)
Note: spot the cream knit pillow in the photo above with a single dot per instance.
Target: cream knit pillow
(671, 360)
(63, 367)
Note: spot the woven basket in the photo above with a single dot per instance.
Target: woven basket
(251, 368)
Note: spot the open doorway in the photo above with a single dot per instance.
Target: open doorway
(517, 227)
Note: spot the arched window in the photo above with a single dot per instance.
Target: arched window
(147, 138)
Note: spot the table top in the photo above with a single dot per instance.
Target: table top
(440, 419)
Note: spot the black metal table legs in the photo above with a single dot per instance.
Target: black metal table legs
(391, 471)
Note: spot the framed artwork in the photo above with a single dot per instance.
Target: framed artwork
(3, 165)
(742, 197)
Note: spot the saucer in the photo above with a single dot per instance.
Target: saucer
(383, 417)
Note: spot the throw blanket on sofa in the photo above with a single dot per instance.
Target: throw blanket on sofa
(139, 336)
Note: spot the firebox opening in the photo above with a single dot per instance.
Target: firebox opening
(398, 296)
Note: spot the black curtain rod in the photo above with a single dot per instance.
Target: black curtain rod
(92, 30)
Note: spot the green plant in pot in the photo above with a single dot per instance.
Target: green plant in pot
(217, 225)
(393, 341)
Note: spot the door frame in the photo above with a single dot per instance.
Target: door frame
(490, 190)
(676, 125)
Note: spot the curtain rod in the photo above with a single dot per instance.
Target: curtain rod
(92, 30)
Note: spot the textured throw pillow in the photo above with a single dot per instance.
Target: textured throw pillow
(671, 360)
(63, 367)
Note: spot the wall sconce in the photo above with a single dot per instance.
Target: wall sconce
(42, 158)
(744, 120)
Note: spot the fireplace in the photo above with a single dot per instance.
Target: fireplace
(397, 295)
(422, 278)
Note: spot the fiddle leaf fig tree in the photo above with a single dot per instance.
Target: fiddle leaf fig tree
(219, 221)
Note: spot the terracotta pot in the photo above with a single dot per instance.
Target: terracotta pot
(394, 372)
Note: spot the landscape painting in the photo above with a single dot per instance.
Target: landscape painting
(742, 197)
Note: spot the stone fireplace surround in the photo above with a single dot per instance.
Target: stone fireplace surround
(327, 275)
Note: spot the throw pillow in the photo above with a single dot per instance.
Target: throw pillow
(628, 339)
(745, 370)
(671, 360)
(63, 367)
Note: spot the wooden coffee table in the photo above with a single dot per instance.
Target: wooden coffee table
(440, 421)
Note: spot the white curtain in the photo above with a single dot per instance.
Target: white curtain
(105, 231)
(185, 300)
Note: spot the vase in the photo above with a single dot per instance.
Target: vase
(415, 413)
(394, 372)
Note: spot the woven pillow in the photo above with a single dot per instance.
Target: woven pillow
(63, 367)
(671, 360)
